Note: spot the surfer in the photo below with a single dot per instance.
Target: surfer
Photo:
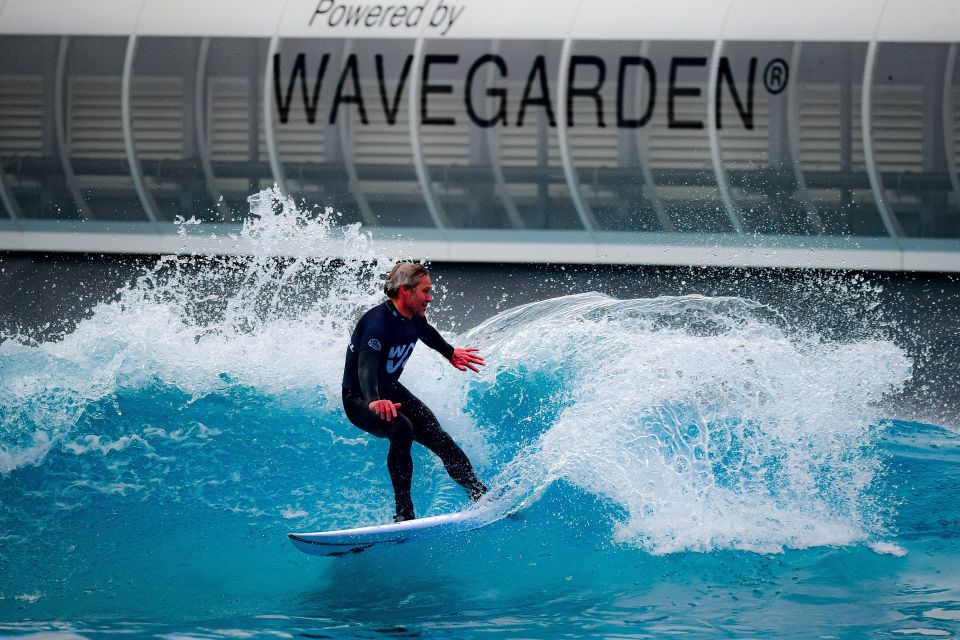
(374, 399)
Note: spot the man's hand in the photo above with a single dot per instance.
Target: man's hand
(385, 409)
(466, 358)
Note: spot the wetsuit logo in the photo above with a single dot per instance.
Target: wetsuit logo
(401, 354)
(374, 344)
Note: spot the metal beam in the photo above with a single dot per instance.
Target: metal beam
(949, 148)
(493, 155)
(276, 167)
(136, 171)
(436, 211)
(793, 138)
(6, 193)
(203, 141)
(345, 138)
(59, 113)
(714, 137)
(7, 197)
(569, 171)
(650, 191)
(890, 222)
(515, 246)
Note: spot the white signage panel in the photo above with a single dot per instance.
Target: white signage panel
(69, 17)
(678, 20)
(221, 18)
(809, 20)
(449, 19)
(927, 21)
(650, 20)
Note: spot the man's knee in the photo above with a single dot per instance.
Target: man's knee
(399, 430)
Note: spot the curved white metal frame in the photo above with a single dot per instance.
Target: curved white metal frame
(136, 172)
(493, 155)
(276, 167)
(714, 137)
(947, 114)
(349, 158)
(7, 197)
(6, 193)
(569, 171)
(60, 130)
(436, 211)
(793, 140)
(866, 124)
(651, 191)
(203, 140)
(735, 244)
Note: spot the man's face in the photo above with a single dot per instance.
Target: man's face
(418, 298)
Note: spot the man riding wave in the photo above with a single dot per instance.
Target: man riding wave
(375, 401)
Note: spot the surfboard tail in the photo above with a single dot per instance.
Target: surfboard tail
(333, 550)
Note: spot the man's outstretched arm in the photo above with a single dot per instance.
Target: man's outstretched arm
(464, 358)
(432, 338)
(460, 357)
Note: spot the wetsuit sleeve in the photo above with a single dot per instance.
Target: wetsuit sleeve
(432, 338)
(372, 337)
(367, 363)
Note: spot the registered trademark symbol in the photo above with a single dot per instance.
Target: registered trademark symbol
(775, 76)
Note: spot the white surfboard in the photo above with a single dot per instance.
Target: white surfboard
(348, 541)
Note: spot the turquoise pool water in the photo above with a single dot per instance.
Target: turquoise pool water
(689, 466)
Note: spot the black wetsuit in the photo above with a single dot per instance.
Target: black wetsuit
(379, 348)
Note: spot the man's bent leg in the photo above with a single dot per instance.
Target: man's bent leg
(428, 432)
(399, 432)
(400, 465)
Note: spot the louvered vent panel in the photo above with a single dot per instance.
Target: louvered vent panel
(445, 145)
(592, 146)
(820, 133)
(518, 145)
(298, 140)
(559, 192)
(229, 123)
(898, 128)
(956, 126)
(379, 142)
(680, 148)
(744, 148)
(522, 191)
(21, 115)
(157, 117)
(94, 122)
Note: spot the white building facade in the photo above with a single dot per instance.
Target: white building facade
(700, 132)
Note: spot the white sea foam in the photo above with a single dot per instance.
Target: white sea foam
(703, 421)
(888, 548)
(200, 325)
(28, 597)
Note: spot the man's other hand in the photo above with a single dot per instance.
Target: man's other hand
(466, 358)
(385, 409)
